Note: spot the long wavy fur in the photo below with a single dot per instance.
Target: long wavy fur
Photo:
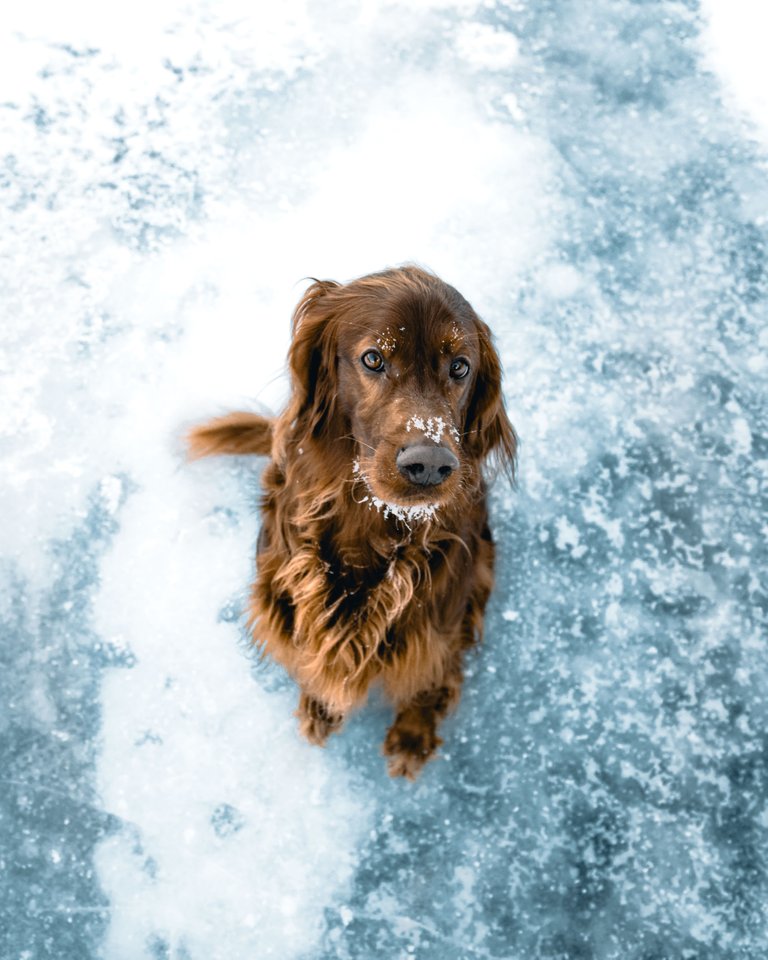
(345, 595)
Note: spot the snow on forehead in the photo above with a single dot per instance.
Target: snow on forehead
(386, 340)
(451, 335)
(454, 337)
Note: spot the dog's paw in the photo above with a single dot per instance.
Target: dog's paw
(314, 730)
(316, 723)
(409, 749)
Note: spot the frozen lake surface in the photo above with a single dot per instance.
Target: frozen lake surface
(592, 176)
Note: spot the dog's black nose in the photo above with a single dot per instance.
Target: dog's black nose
(426, 464)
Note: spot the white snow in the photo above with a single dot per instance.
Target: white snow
(733, 40)
(187, 734)
(484, 47)
(419, 511)
(432, 428)
(569, 537)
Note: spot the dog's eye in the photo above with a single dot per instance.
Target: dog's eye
(373, 360)
(459, 368)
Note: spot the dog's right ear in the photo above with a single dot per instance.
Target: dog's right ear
(487, 429)
(312, 358)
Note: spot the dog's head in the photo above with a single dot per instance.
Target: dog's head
(399, 364)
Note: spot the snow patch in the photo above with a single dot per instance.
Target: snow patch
(216, 793)
(387, 341)
(432, 428)
(483, 47)
(733, 40)
(569, 538)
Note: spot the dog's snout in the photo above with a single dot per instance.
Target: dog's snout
(426, 465)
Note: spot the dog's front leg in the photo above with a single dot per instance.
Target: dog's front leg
(316, 720)
(412, 739)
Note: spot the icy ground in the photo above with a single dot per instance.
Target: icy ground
(592, 176)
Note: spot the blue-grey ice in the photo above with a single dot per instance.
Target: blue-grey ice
(593, 177)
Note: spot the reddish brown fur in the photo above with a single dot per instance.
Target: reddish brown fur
(348, 595)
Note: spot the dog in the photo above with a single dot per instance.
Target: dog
(374, 557)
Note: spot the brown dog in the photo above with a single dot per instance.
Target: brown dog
(375, 560)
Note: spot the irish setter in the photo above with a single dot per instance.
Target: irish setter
(374, 558)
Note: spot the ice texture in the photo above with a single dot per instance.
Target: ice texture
(592, 177)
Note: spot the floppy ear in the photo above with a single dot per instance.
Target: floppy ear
(312, 359)
(487, 430)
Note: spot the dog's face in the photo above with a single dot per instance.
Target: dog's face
(404, 383)
(401, 363)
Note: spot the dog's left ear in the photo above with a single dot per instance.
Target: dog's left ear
(487, 430)
(312, 358)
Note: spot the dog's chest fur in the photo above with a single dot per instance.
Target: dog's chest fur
(342, 605)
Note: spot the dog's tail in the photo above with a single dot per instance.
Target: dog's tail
(237, 433)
